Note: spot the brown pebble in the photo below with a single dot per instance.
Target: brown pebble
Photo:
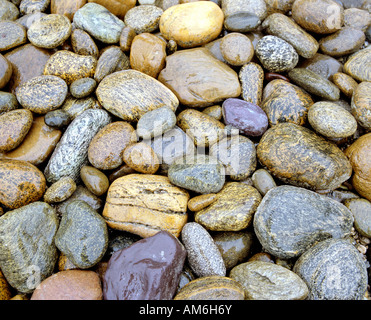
(95, 180)
(60, 190)
(5, 289)
(66, 7)
(64, 263)
(345, 83)
(118, 7)
(126, 38)
(200, 202)
(82, 43)
(214, 111)
(262, 256)
(269, 76)
(6, 71)
(236, 48)
(141, 157)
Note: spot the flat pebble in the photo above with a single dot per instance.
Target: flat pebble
(60, 190)
(95, 180)
(345, 83)
(117, 7)
(143, 18)
(6, 71)
(57, 118)
(358, 65)
(203, 255)
(200, 202)
(263, 181)
(8, 102)
(83, 87)
(67, 7)
(76, 106)
(214, 111)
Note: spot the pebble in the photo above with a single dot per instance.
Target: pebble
(214, 111)
(83, 87)
(143, 18)
(12, 34)
(280, 6)
(82, 235)
(141, 157)
(263, 181)
(202, 128)
(262, 256)
(8, 102)
(28, 19)
(31, 6)
(126, 38)
(284, 149)
(118, 7)
(49, 31)
(6, 71)
(14, 126)
(203, 255)
(60, 190)
(359, 156)
(318, 16)
(99, 22)
(8, 10)
(66, 7)
(247, 117)
(72, 151)
(358, 65)
(243, 16)
(313, 217)
(22, 257)
(42, 94)
(345, 83)
(70, 285)
(276, 54)
(333, 269)
(214, 48)
(147, 270)
(106, 148)
(361, 210)
(331, 121)
(357, 18)
(82, 43)
(5, 289)
(57, 118)
(233, 210)
(238, 155)
(148, 54)
(199, 173)
(234, 246)
(95, 180)
(361, 104)
(37, 145)
(237, 49)
(285, 102)
(198, 79)
(192, 24)
(76, 106)
(109, 61)
(156, 122)
(129, 94)
(143, 204)
(314, 83)
(200, 202)
(277, 24)
(343, 42)
(251, 76)
(211, 288)
(268, 281)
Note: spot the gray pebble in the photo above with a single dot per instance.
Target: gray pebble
(82, 87)
(143, 18)
(263, 181)
(361, 210)
(8, 102)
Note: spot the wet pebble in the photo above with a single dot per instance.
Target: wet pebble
(60, 190)
(237, 49)
(263, 181)
(360, 104)
(355, 65)
(95, 180)
(345, 83)
(361, 210)
(82, 43)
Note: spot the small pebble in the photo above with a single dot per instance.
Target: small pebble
(83, 87)
(360, 104)
(57, 118)
(236, 49)
(95, 180)
(361, 210)
(263, 181)
(141, 157)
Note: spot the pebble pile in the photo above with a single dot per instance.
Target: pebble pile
(185, 150)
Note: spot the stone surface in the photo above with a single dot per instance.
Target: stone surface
(60, 190)
(49, 31)
(200, 202)
(129, 94)
(203, 255)
(361, 104)
(72, 151)
(148, 54)
(70, 285)
(247, 117)
(5, 289)
(42, 94)
(307, 216)
(20, 183)
(345, 83)
(30, 6)
(147, 270)
(12, 34)
(99, 22)
(141, 157)
(76, 106)
(8, 102)
(361, 210)
(357, 18)
(211, 288)
(331, 121)
(83, 87)
(106, 148)
(82, 43)
(285, 102)
(251, 76)
(359, 155)
(143, 18)
(237, 49)
(285, 148)
(126, 38)
(276, 54)
(214, 111)
(66, 7)
(232, 211)
(268, 281)
(95, 180)
(27, 245)
(263, 181)
(57, 118)
(192, 24)
(6, 71)
(8, 10)
(118, 7)
(198, 79)
(82, 235)
(144, 204)
(358, 65)
(333, 270)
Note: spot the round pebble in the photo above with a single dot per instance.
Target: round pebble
(236, 49)
(57, 118)
(141, 157)
(95, 180)
(361, 210)
(143, 18)
(263, 181)
(60, 190)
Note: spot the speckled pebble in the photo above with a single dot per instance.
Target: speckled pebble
(12, 34)
(31, 6)
(251, 76)
(345, 83)
(361, 104)
(57, 118)
(8, 102)
(361, 210)
(83, 87)
(109, 60)
(60, 190)
(143, 18)
(141, 157)
(8, 10)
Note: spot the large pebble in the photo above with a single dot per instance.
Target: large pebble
(42, 94)
(147, 270)
(192, 24)
(307, 216)
(12, 34)
(99, 22)
(70, 285)
(358, 65)
(20, 183)
(72, 151)
(284, 149)
(203, 255)
(361, 104)
(268, 281)
(333, 270)
(143, 204)
(144, 18)
(129, 94)
(233, 210)
(198, 79)
(82, 235)
(27, 251)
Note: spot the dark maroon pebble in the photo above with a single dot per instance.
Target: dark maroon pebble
(269, 76)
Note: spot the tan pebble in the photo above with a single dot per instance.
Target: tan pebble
(108, 61)
(66, 7)
(200, 202)
(20, 297)
(236, 49)
(6, 71)
(95, 180)
(214, 111)
(5, 289)
(345, 83)
(361, 104)
(141, 157)
(118, 7)
(82, 43)
(64, 263)
(120, 172)
(60, 190)
(262, 256)
(126, 38)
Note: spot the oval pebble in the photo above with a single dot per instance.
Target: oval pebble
(60, 190)
(12, 34)
(95, 180)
